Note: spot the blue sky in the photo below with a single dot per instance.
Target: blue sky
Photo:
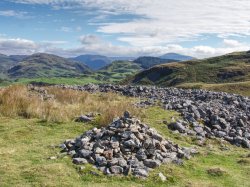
(199, 28)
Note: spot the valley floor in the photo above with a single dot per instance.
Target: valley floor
(27, 145)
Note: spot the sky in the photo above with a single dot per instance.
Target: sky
(199, 28)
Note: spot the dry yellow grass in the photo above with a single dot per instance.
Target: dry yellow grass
(18, 101)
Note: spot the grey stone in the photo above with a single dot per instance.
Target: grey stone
(80, 161)
(85, 153)
(101, 161)
(151, 163)
(116, 169)
(140, 172)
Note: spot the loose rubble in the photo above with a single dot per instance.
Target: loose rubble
(123, 147)
(206, 114)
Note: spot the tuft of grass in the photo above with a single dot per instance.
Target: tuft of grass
(216, 172)
(64, 106)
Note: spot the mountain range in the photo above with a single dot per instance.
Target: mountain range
(97, 62)
(46, 65)
(231, 69)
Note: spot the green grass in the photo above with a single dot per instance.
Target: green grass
(56, 80)
(26, 145)
(118, 70)
(61, 80)
(242, 88)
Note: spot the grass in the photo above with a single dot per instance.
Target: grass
(26, 145)
(242, 88)
(64, 106)
(28, 142)
(55, 80)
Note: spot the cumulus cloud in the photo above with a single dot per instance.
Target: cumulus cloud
(17, 46)
(90, 39)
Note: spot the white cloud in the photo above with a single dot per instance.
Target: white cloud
(165, 21)
(96, 45)
(232, 43)
(90, 39)
(17, 46)
(12, 13)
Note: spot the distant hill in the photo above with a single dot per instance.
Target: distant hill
(118, 70)
(122, 58)
(228, 68)
(95, 62)
(47, 65)
(18, 58)
(5, 63)
(176, 56)
(148, 62)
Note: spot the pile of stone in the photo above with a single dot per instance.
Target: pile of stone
(206, 114)
(125, 147)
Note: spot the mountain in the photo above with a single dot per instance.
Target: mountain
(118, 70)
(95, 62)
(18, 58)
(5, 63)
(47, 65)
(234, 67)
(148, 62)
(122, 58)
(176, 56)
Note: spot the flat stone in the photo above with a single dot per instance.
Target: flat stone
(151, 163)
(79, 161)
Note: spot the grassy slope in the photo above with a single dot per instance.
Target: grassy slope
(233, 67)
(118, 70)
(27, 143)
(242, 88)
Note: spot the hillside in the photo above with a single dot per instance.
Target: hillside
(148, 62)
(228, 68)
(118, 70)
(176, 56)
(6, 62)
(47, 65)
(95, 62)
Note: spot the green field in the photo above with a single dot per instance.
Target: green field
(28, 142)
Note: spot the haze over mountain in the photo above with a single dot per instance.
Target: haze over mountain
(47, 65)
(95, 62)
(175, 56)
